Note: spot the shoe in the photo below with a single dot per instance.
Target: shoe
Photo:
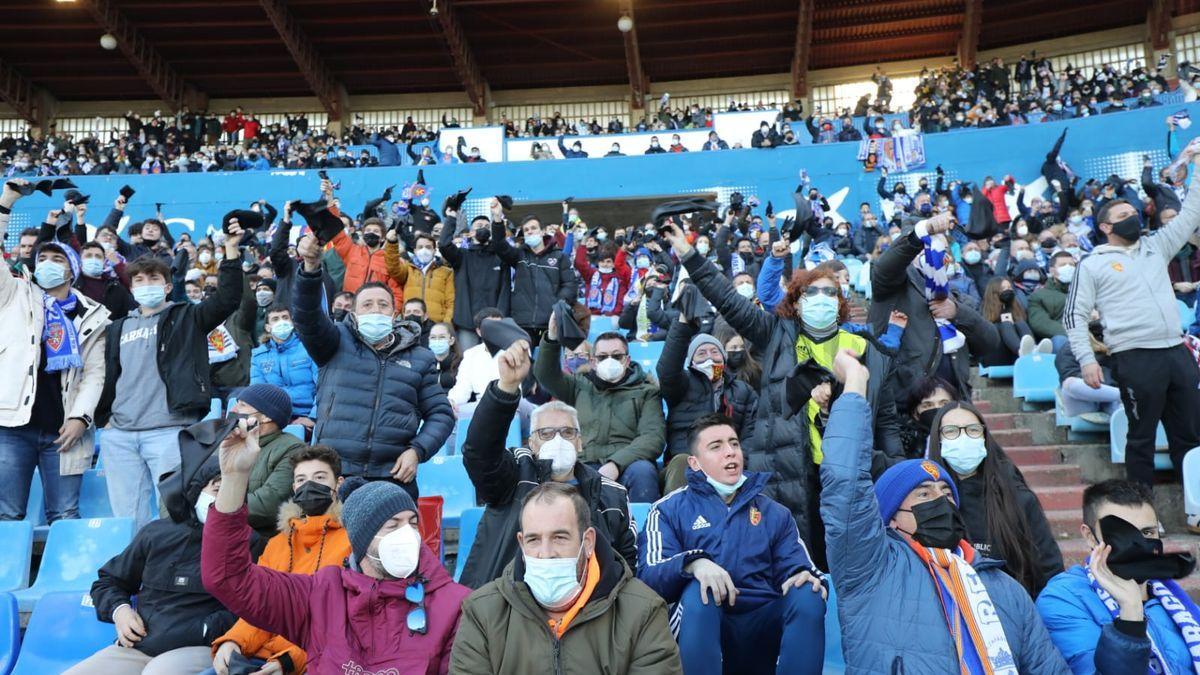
(1097, 417)
(1045, 346)
(1027, 345)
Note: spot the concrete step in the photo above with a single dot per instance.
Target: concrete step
(984, 407)
(1051, 475)
(1032, 455)
(1064, 523)
(1060, 497)
(1001, 421)
(999, 400)
(1018, 437)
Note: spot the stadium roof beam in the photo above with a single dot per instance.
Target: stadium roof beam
(638, 84)
(804, 34)
(465, 63)
(150, 64)
(968, 42)
(1158, 23)
(316, 72)
(34, 105)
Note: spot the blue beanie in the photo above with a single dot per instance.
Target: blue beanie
(269, 400)
(894, 485)
(368, 508)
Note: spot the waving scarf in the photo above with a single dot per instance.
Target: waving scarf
(934, 265)
(1179, 607)
(970, 615)
(603, 295)
(60, 341)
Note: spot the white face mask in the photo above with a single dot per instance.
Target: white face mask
(745, 290)
(610, 370)
(399, 551)
(204, 501)
(964, 454)
(561, 453)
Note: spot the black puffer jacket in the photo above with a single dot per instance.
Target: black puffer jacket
(371, 405)
(690, 395)
(481, 278)
(541, 279)
(503, 477)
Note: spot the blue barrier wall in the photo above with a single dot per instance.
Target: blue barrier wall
(1095, 147)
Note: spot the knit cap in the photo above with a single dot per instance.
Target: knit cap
(895, 483)
(272, 401)
(368, 508)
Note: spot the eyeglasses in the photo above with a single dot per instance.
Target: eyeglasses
(814, 291)
(547, 433)
(951, 432)
(415, 593)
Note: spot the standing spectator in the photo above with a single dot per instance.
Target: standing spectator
(271, 478)
(379, 403)
(608, 281)
(103, 279)
(481, 278)
(282, 361)
(574, 152)
(424, 277)
(542, 273)
(389, 150)
(366, 262)
(232, 126)
(479, 368)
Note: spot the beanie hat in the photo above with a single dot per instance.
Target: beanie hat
(704, 339)
(269, 400)
(894, 485)
(368, 508)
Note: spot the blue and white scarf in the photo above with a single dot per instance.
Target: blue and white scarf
(1179, 607)
(602, 295)
(59, 338)
(934, 265)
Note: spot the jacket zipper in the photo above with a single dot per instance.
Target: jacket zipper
(378, 395)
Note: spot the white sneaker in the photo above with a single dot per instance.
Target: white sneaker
(1096, 417)
(1045, 346)
(1027, 345)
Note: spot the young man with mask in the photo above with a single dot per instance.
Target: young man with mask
(566, 604)
(310, 537)
(503, 476)
(102, 278)
(576, 150)
(542, 273)
(416, 311)
(1121, 611)
(366, 262)
(620, 410)
(55, 341)
(720, 536)
(270, 480)
(394, 607)
(1126, 280)
(283, 361)
(379, 403)
(158, 376)
(481, 278)
(1046, 304)
(901, 565)
(424, 277)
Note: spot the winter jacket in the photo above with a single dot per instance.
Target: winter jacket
(271, 480)
(864, 239)
(690, 394)
(161, 566)
(287, 366)
(345, 620)
(1045, 310)
(23, 315)
(997, 196)
(434, 284)
(622, 628)
(371, 405)
(568, 153)
(753, 538)
(183, 330)
(389, 152)
(1082, 629)
(503, 476)
(621, 422)
(481, 278)
(539, 279)
(604, 293)
(891, 617)
(108, 290)
(303, 545)
(1131, 289)
(362, 266)
(895, 284)
(285, 267)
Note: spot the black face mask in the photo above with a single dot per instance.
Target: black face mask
(313, 498)
(925, 420)
(482, 236)
(1137, 557)
(149, 243)
(1129, 229)
(939, 524)
(735, 360)
(371, 239)
(338, 314)
(1007, 296)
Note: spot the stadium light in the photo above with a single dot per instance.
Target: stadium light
(107, 40)
(624, 24)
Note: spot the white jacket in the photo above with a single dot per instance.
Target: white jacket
(23, 319)
(477, 370)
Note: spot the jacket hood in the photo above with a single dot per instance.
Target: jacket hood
(291, 517)
(1026, 265)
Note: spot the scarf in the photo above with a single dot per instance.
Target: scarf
(934, 265)
(221, 345)
(59, 338)
(1179, 607)
(603, 295)
(983, 648)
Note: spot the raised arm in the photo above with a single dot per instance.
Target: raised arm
(672, 364)
(317, 331)
(446, 246)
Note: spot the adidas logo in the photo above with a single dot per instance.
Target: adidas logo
(700, 523)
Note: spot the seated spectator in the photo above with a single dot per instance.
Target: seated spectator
(310, 537)
(574, 152)
(620, 411)
(424, 277)
(1105, 617)
(394, 607)
(567, 600)
(271, 479)
(1004, 518)
(1096, 405)
(176, 618)
(444, 345)
(1047, 303)
(720, 536)
(714, 142)
(282, 361)
(1002, 310)
(898, 557)
(654, 148)
(503, 476)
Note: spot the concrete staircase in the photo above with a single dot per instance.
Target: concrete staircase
(1058, 469)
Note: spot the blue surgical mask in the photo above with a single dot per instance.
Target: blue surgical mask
(374, 327)
(819, 311)
(93, 267)
(972, 257)
(282, 329)
(533, 240)
(150, 296)
(1065, 274)
(424, 256)
(554, 582)
(50, 274)
(643, 263)
(964, 454)
(724, 490)
(439, 346)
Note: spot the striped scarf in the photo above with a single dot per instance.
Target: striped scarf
(1179, 607)
(603, 295)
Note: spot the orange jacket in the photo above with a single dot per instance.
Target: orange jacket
(435, 285)
(363, 266)
(295, 549)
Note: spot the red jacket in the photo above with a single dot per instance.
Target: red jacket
(347, 621)
(232, 123)
(599, 288)
(251, 128)
(995, 195)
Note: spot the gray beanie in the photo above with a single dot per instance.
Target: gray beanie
(703, 339)
(368, 508)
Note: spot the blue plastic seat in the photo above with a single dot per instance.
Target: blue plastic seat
(35, 507)
(601, 325)
(835, 661)
(447, 477)
(74, 551)
(10, 632)
(646, 353)
(214, 409)
(468, 527)
(63, 631)
(514, 440)
(996, 372)
(1187, 315)
(15, 554)
(638, 511)
(1035, 378)
(93, 496)
(1118, 429)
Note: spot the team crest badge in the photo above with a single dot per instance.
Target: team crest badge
(55, 339)
(1118, 267)
(755, 516)
(932, 469)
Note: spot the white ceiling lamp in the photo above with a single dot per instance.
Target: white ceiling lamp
(624, 24)
(108, 41)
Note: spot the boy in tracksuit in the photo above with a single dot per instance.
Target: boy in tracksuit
(719, 536)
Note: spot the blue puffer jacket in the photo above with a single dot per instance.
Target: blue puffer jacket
(754, 538)
(371, 406)
(1082, 629)
(892, 621)
(287, 365)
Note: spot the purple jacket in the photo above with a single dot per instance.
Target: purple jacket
(345, 620)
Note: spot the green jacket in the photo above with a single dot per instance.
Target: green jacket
(622, 628)
(1046, 310)
(621, 422)
(271, 481)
